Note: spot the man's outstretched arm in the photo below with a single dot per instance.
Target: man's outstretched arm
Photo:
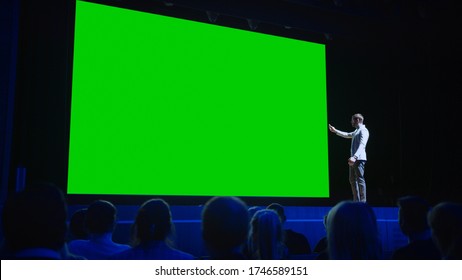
(340, 133)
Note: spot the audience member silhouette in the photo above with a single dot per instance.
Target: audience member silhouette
(352, 232)
(321, 247)
(225, 227)
(412, 219)
(100, 222)
(252, 210)
(151, 234)
(34, 222)
(296, 243)
(445, 221)
(77, 229)
(266, 240)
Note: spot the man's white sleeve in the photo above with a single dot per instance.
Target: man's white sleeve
(344, 134)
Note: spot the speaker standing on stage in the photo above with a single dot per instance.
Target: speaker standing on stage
(357, 160)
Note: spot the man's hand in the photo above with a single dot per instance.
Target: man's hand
(351, 161)
(332, 129)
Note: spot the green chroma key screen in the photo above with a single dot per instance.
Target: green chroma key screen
(166, 106)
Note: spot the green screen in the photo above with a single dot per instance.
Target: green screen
(166, 106)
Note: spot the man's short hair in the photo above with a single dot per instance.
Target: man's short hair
(100, 217)
(358, 116)
(225, 222)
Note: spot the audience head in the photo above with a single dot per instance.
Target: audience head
(266, 235)
(279, 210)
(254, 209)
(101, 217)
(225, 223)
(152, 223)
(77, 226)
(352, 232)
(413, 214)
(445, 221)
(36, 218)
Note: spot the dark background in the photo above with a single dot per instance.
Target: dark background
(396, 62)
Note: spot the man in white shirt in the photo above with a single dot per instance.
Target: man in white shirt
(357, 160)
